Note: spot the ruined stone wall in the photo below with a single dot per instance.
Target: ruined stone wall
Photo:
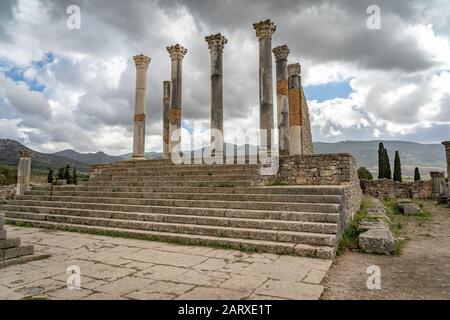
(384, 188)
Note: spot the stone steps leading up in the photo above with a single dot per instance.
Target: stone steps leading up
(118, 210)
(300, 249)
(253, 205)
(193, 196)
(284, 190)
(219, 205)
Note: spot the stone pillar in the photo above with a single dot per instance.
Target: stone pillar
(166, 108)
(281, 55)
(307, 143)
(295, 112)
(447, 154)
(264, 31)
(177, 54)
(437, 180)
(23, 172)
(140, 109)
(216, 43)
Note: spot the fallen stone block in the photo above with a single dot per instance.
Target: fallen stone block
(364, 226)
(9, 243)
(411, 209)
(379, 241)
(3, 234)
(401, 203)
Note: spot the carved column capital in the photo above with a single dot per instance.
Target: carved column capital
(141, 61)
(216, 42)
(281, 52)
(446, 144)
(294, 69)
(176, 52)
(25, 153)
(264, 29)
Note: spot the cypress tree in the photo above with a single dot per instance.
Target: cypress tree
(397, 168)
(75, 176)
(50, 177)
(381, 166)
(387, 165)
(67, 174)
(416, 174)
(61, 173)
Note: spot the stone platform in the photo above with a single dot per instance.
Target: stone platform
(213, 205)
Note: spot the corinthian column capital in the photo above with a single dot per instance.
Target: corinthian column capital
(216, 42)
(141, 61)
(281, 52)
(294, 69)
(176, 52)
(264, 29)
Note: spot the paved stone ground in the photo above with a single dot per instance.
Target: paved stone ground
(422, 271)
(116, 268)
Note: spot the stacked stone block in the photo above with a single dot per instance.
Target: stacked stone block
(11, 252)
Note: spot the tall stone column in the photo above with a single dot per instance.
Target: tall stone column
(447, 154)
(216, 43)
(140, 109)
(177, 54)
(437, 180)
(23, 172)
(166, 108)
(281, 55)
(264, 32)
(295, 112)
(307, 143)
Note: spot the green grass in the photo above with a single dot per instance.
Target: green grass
(277, 182)
(350, 237)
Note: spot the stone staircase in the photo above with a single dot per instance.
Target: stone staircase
(216, 205)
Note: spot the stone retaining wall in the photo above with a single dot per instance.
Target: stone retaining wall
(384, 188)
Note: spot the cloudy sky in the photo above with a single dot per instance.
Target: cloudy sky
(63, 88)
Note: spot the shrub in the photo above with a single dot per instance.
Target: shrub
(363, 173)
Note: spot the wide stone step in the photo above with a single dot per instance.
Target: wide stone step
(175, 170)
(170, 165)
(225, 232)
(253, 205)
(265, 224)
(195, 196)
(285, 190)
(54, 206)
(164, 178)
(299, 249)
(174, 183)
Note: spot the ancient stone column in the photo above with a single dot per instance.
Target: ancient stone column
(216, 43)
(307, 143)
(177, 54)
(264, 31)
(166, 108)
(447, 154)
(140, 109)
(295, 112)
(281, 55)
(23, 172)
(437, 180)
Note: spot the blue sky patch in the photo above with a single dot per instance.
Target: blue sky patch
(328, 91)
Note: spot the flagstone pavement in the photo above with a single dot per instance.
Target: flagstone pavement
(117, 268)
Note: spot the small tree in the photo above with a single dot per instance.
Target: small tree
(75, 176)
(416, 174)
(50, 177)
(61, 173)
(67, 175)
(397, 168)
(363, 173)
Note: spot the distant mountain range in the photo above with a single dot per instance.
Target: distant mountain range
(427, 157)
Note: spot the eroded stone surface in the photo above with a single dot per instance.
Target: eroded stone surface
(113, 268)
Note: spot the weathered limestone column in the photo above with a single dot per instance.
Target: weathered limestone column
(437, 180)
(307, 143)
(140, 109)
(166, 106)
(264, 32)
(23, 172)
(281, 55)
(295, 112)
(177, 54)
(216, 43)
(447, 154)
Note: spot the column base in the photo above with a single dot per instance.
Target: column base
(138, 158)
